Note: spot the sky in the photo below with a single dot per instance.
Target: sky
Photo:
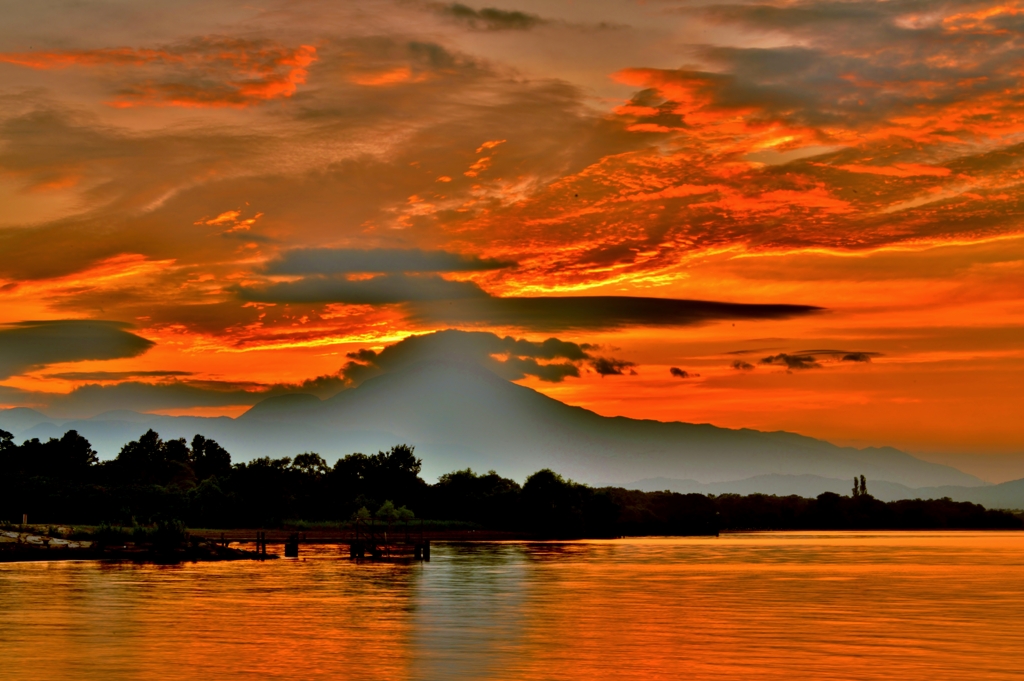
(799, 215)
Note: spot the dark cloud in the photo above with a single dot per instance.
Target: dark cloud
(28, 345)
(378, 260)
(92, 399)
(792, 361)
(682, 373)
(508, 357)
(491, 19)
(805, 359)
(857, 357)
(848, 48)
(552, 373)
(832, 351)
(843, 355)
(383, 290)
(432, 299)
(607, 366)
(115, 375)
(597, 312)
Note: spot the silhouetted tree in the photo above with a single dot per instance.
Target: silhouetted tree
(369, 480)
(153, 480)
(557, 507)
(488, 499)
(209, 459)
(311, 464)
(141, 461)
(72, 455)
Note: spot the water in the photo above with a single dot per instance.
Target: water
(759, 606)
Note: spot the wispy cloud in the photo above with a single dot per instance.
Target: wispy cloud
(205, 72)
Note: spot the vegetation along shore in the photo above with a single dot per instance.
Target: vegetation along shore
(154, 489)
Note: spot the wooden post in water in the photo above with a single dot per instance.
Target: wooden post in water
(291, 547)
(426, 550)
(261, 543)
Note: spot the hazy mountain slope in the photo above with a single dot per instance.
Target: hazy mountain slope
(20, 419)
(460, 414)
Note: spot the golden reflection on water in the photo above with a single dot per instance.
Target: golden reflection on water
(752, 606)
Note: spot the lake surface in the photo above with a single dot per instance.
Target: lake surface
(744, 606)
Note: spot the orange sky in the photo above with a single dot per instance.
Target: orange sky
(260, 189)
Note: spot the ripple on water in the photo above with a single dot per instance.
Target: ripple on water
(765, 606)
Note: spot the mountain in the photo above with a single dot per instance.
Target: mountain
(20, 419)
(460, 415)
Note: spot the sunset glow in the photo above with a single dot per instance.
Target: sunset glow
(254, 193)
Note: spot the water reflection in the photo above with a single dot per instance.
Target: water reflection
(471, 611)
(802, 605)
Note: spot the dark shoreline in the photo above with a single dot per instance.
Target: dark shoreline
(211, 550)
(122, 555)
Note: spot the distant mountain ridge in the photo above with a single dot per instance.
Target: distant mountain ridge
(461, 415)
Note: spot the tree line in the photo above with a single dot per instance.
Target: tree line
(154, 480)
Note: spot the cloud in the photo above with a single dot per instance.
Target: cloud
(551, 360)
(378, 260)
(510, 358)
(115, 375)
(857, 357)
(596, 312)
(607, 366)
(581, 191)
(807, 359)
(431, 299)
(204, 72)
(28, 345)
(383, 290)
(792, 361)
(843, 355)
(681, 373)
(93, 398)
(491, 19)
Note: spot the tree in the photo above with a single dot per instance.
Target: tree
(387, 512)
(553, 505)
(71, 455)
(209, 459)
(141, 461)
(363, 479)
(863, 486)
(399, 464)
(311, 464)
(8, 451)
(856, 487)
